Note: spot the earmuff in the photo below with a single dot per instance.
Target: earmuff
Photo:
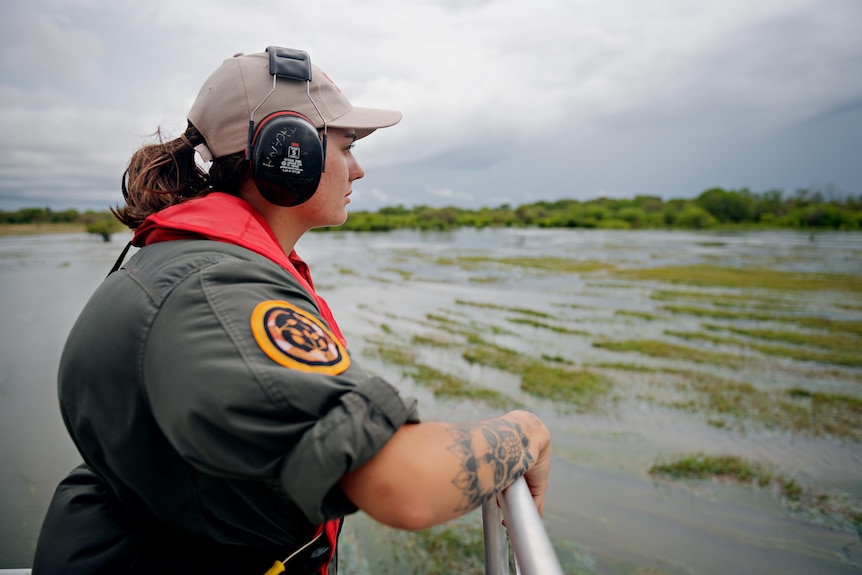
(285, 150)
(287, 158)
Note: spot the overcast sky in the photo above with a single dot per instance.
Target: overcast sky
(504, 101)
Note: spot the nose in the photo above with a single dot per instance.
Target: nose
(356, 172)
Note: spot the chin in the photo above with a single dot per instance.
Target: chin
(339, 219)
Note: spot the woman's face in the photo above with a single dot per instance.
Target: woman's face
(328, 205)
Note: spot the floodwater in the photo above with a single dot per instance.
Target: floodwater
(604, 512)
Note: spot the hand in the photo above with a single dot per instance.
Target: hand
(536, 476)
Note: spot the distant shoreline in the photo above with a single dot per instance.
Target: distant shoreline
(41, 229)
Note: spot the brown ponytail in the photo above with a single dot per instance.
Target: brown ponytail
(163, 174)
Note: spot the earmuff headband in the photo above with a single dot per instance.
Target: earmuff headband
(289, 64)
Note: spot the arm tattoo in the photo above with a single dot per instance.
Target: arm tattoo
(492, 455)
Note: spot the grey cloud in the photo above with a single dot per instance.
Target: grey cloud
(500, 103)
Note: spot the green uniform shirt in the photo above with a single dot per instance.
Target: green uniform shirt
(203, 386)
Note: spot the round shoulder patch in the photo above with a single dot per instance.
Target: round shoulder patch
(293, 338)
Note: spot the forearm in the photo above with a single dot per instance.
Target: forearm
(429, 473)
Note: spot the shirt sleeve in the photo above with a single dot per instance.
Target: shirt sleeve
(247, 381)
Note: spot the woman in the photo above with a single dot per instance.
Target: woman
(223, 424)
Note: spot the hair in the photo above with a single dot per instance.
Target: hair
(166, 173)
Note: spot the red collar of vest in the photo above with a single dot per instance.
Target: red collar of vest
(225, 218)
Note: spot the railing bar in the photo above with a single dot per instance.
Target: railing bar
(496, 540)
(532, 549)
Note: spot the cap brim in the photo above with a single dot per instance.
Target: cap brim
(366, 120)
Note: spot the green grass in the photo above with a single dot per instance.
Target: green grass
(712, 276)
(851, 327)
(543, 325)
(829, 401)
(418, 340)
(471, 333)
(844, 351)
(521, 310)
(832, 509)
(725, 402)
(397, 355)
(832, 341)
(721, 313)
(701, 466)
(495, 356)
(547, 264)
(734, 403)
(811, 322)
(546, 379)
(447, 385)
(405, 275)
(575, 387)
(450, 548)
(715, 339)
(443, 384)
(720, 300)
(625, 366)
(441, 318)
(667, 350)
(635, 314)
(486, 279)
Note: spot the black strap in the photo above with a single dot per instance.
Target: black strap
(120, 259)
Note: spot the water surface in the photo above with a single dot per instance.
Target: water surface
(603, 506)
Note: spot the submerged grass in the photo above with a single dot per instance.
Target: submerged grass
(720, 313)
(552, 378)
(450, 548)
(495, 356)
(832, 509)
(741, 300)
(726, 402)
(799, 352)
(667, 350)
(549, 380)
(711, 276)
(702, 466)
(447, 385)
(548, 326)
(838, 342)
(812, 322)
(794, 410)
(828, 401)
(441, 383)
(547, 264)
(636, 314)
(455, 548)
(405, 275)
(433, 341)
(394, 354)
(521, 310)
(576, 387)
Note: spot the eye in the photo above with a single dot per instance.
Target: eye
(350, 147)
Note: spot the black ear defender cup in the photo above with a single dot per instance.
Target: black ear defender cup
(286, 158)
(285, 150)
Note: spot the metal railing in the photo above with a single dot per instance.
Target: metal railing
(531, 547)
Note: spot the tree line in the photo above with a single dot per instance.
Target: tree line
(714, 208)
(102, 224)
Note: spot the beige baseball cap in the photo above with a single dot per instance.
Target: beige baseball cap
(225, 103)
